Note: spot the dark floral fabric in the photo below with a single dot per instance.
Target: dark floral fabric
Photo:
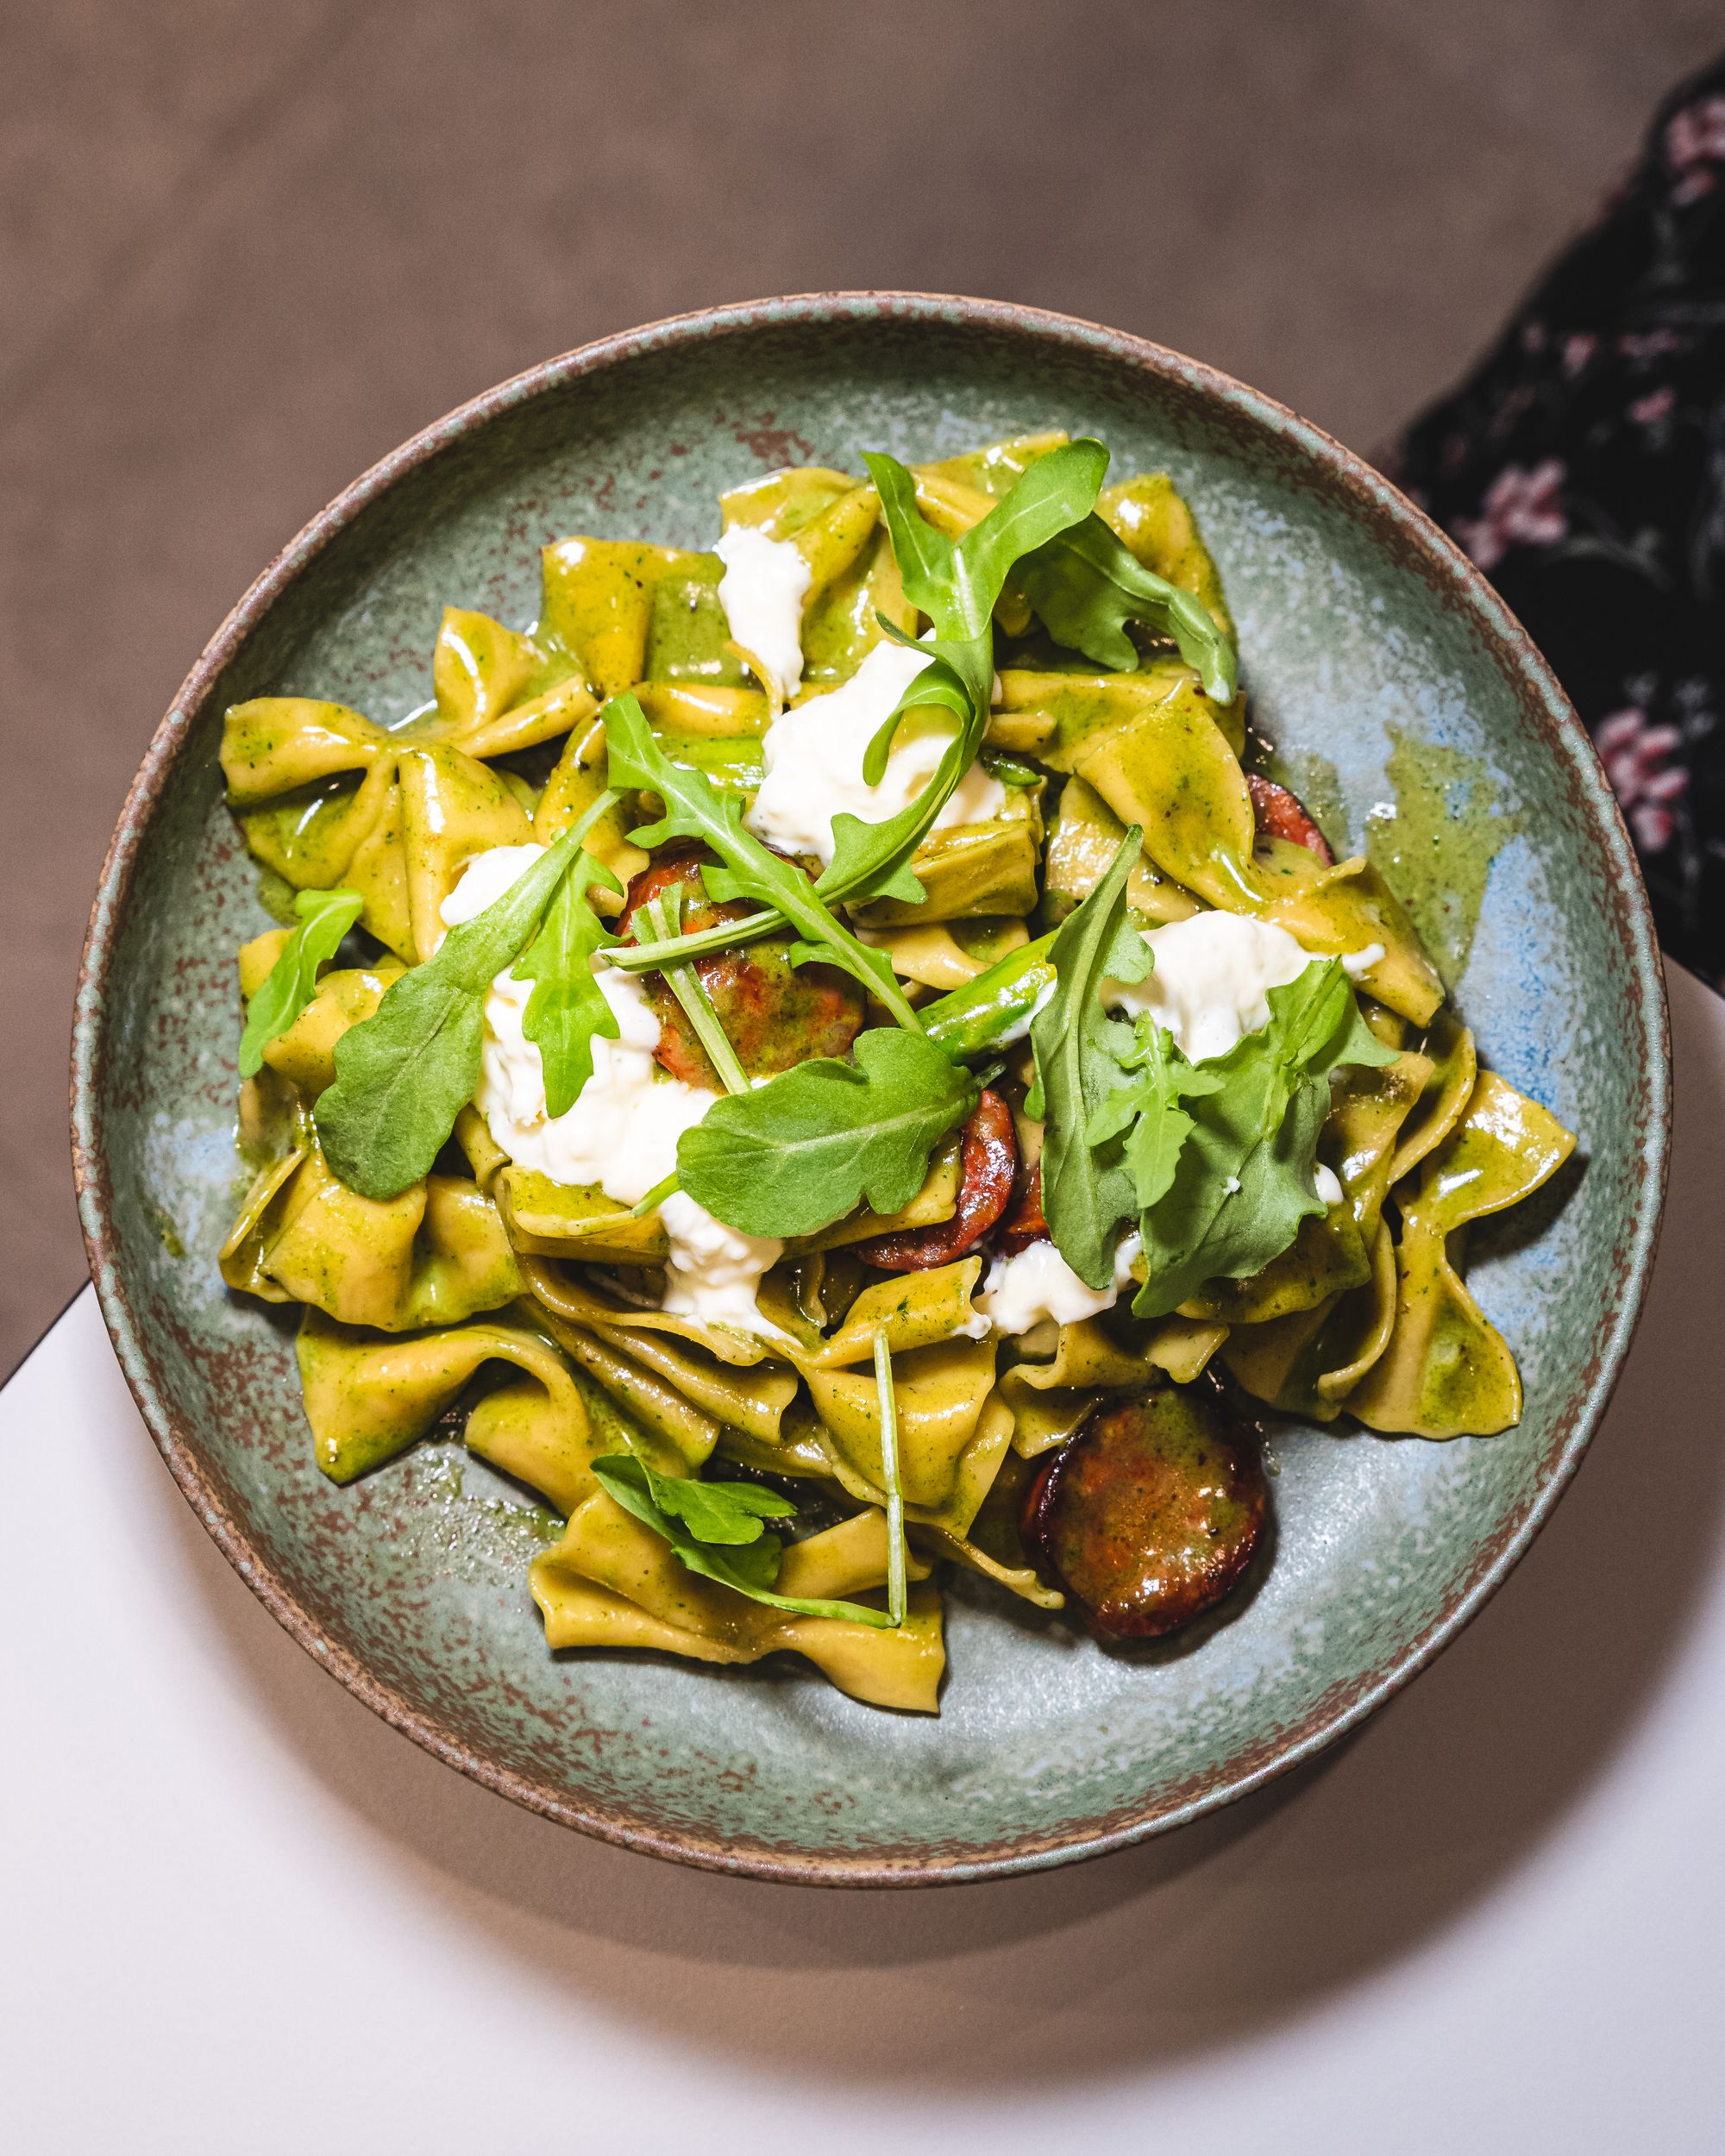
(1583, 466)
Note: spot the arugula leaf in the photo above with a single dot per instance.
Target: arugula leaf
(695, 809)
(739, 1554)
(1245, 1176)
(955, 583)
(566, 1009)
(996, 1008)
(325, 917)
(793, 1156)
(873, 860)
(404, 1075)
(890, 1475)
(1148, 1109)
(1087, 1187)
(727, 1513)
(1088, 584)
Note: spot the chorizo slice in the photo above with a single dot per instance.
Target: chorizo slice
(1150, 1515)
(988, 1163)
(1023, 1223)
(1280, 814)
(775, 1014)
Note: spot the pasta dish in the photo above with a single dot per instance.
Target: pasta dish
(828, 1058)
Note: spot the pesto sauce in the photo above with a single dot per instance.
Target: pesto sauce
(456, 1532)
(1435, 847)
(276, 895)
(1317, 784)
(688, 636)
(167, 1233)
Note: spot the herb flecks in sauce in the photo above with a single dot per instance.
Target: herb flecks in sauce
(1318, 784)
(1435, 847)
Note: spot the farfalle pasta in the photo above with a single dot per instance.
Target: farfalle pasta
(827, 1059)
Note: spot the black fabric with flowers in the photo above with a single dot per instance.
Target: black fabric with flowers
(1583, 466)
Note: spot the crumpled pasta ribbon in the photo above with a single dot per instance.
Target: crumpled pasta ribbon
(1446, 1370)
(612, 1582)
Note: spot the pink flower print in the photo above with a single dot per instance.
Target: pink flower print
(1633, 754)
(1657, 406)
(1649, 344)
(1694, 144)
(1578, 350)
(1521, 509)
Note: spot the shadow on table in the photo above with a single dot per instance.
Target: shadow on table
(1188, 1943)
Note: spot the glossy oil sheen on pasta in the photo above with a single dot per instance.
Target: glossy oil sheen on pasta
(532, 1309)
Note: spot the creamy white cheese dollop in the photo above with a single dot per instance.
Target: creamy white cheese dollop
(1211, 981)
(814, 760)
(1356, 964)
(622, 1131)
(762, 589)
(1020, 1292)
(484, 879)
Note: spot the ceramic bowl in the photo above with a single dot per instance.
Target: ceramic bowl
(1358, 621)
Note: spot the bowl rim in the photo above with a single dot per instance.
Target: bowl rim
(1374, 496)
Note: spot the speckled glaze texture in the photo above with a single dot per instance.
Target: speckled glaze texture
(1355, 616)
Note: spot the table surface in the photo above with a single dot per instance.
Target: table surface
(241, 1913)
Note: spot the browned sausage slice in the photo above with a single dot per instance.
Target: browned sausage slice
(775, 1015)
(1280, 814)
(1023, 1223)
(1150, 1515)
(987, 1166)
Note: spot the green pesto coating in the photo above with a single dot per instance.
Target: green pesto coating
(1436, 848)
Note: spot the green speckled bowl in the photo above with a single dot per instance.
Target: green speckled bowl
(1356, 616)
